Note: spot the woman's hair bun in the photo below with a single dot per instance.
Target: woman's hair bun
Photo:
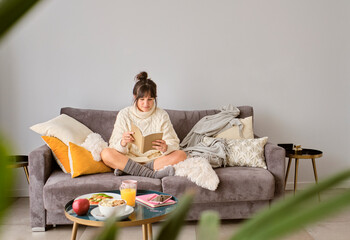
(141, 76)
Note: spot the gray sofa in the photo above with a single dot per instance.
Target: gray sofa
(241, 192)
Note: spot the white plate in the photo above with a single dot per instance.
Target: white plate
(99, 216)
(114, 195)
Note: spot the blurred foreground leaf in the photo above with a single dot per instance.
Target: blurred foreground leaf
(293, 213)
(109, 231)
(5, 177)
(209, 224)
(172, 226)
(11, 11)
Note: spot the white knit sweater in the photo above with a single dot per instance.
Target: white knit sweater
(156, 120)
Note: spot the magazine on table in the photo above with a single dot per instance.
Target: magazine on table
(155, 200)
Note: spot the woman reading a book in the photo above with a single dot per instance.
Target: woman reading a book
(124, 156)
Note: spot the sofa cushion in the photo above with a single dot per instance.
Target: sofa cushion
(236, 184)
(65, 128)
(59, 152)
(234, 132)
(99, 121)
(82, 162)
(61, 188)
(247, 152)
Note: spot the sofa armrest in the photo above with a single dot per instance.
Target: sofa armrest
(275, 160)
(40, 167)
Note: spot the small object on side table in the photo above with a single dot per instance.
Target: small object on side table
(297, 148)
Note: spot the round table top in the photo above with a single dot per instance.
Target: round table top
(18, 164)
(305, 153)
(142, 214)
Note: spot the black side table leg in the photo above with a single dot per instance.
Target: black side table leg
(288, 167)
(25, 168)
(315, 174)
(296, 174)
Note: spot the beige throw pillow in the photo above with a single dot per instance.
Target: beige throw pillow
(63, 127)
(233, 132)
(247, 152)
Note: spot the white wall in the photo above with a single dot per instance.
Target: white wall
(288, 59)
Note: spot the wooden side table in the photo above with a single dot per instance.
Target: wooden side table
(303, 154)
(20, 161)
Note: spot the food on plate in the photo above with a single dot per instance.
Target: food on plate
(109, 207)
(98, 197)
(114, 203)
(81, 206)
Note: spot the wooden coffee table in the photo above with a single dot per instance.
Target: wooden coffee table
(142, 215)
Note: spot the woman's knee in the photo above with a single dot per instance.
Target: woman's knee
(105, 153)
(108, 155)
(181, 155)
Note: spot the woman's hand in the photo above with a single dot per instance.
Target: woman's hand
(127, 138)
(160, 145)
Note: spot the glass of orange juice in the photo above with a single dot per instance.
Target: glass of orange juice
(128, 191)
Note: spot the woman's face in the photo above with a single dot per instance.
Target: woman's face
(145, 104)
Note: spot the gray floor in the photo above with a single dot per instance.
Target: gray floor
(16, 225)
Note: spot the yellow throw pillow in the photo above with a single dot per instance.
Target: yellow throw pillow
(82, 162)
(233, 132)
(59, 151)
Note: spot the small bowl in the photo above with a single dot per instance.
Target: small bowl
(107, 209)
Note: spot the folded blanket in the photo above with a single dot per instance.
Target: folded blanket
(199, 142)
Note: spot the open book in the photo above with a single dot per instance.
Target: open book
(144, 143)
(147, 200)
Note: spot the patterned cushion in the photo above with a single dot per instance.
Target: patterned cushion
(247, 152)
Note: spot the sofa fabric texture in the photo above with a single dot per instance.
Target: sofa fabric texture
(241, 191)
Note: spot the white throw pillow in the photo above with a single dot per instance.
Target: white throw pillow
(233, 132)
(63, 127)
(247, 152)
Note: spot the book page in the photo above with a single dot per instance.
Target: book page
(144, 143)
(138, 138)
(149, 139)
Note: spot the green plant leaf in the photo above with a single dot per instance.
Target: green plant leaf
(6, 179)
(109, 230)
(209, 224)
(172, 225)
(293, 213)
(11, 11)
(306, 216)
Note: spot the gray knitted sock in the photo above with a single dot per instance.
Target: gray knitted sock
(119, 172)
(136, 169)
(167, 171)
(150, 165)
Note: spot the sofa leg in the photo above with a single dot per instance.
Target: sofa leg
(38, 229)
